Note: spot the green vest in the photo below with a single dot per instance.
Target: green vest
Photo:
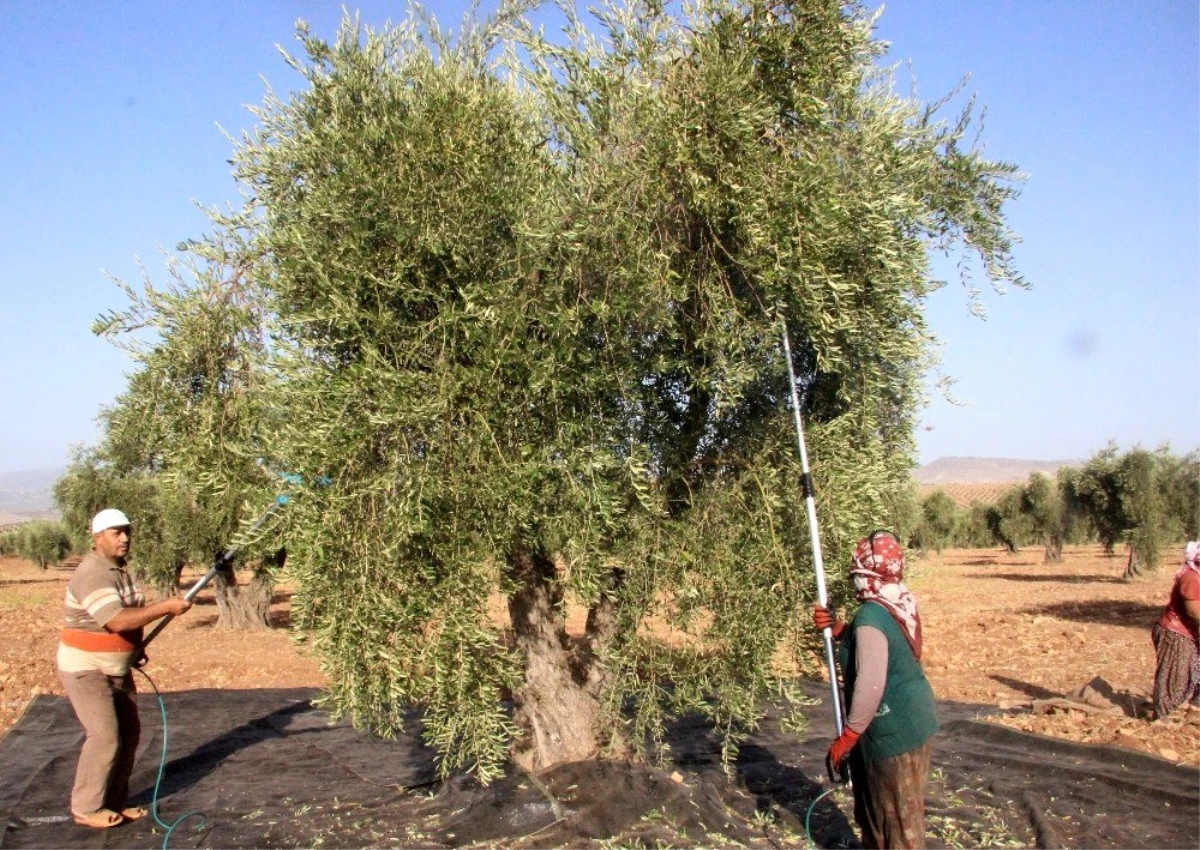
(906, 718)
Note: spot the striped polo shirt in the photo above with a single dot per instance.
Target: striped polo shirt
(96, 592)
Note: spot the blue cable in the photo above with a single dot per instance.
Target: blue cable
(171, 827)
(162, 766)
(808, 814)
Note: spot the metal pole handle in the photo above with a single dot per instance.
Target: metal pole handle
(814, 533)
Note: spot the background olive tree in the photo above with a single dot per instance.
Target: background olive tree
(1042, 503)
(1141, 506)
(41, 541)
(93, 481)
(940, 522)
(181, 452)
(1142, 499)
(1098, 489)
(1179, 484)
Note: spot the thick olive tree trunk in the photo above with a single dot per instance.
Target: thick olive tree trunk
(557, 706)
(244, 607)
(169, 586)
(247, 606)
(1134, 566)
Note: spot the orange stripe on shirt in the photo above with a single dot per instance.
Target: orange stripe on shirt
(100, 642)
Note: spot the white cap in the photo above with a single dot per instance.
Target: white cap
(109, 518)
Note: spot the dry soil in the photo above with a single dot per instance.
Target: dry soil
(1009, 631)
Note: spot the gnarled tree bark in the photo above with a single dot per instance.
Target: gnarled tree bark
(246, 607)
(557, 704)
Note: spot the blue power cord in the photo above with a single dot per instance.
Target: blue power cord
(162, 766)
(171, 827)
(807, 815)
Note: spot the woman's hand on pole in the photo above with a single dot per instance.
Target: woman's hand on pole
(824, 619)
(840, 749)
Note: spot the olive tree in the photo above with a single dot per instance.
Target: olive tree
(94, 481)
(1142, 507)
(188, 426)
(1179, 483)
(940, 521)
(88, 485)
(1141, 498)
(1042, 503)
(974, 528)
(41, 541)
(1007, 522)
(528, 298)
(1097, 488)
(1076, 527)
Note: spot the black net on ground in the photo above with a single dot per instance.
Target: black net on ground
(267, 769)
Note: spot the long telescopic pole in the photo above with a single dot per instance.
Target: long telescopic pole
(814, 533)
(224, 559)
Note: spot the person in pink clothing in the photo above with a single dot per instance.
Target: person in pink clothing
(1176, 641)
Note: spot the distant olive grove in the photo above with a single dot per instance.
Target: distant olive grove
(1140, 499)
(42, 542)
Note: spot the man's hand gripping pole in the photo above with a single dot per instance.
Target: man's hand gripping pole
(222, 562)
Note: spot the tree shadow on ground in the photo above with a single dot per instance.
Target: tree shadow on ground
(1097, 694)
(781, 789)
(27, 581)
(202, 620)
(1053, 578)
(776, 784)
(1000, 561)
(1108, 612)
(1027, 688)
(184, 772)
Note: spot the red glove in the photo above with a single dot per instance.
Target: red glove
(841, 747)
(822, 619)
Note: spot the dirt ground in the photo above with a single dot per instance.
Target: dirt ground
(1002, 630)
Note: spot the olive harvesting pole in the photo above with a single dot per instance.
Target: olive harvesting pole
(806, 484)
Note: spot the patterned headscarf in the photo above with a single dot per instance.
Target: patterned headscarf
(878, 575)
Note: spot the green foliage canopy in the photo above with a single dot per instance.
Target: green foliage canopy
(939, 521)
(527, 299)
(182, 452)
(519, 303)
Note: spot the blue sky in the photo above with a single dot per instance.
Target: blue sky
(111, 134)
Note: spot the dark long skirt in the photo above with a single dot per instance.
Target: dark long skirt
(889, 798)
(1177, 678)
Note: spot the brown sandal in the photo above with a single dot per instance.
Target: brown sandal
(103, 819)
(134, 813)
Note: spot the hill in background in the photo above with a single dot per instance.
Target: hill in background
(28, 494)
(981, 479)
(986, 470)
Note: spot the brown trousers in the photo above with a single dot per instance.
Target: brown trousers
(107, 708)
(889, 798)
